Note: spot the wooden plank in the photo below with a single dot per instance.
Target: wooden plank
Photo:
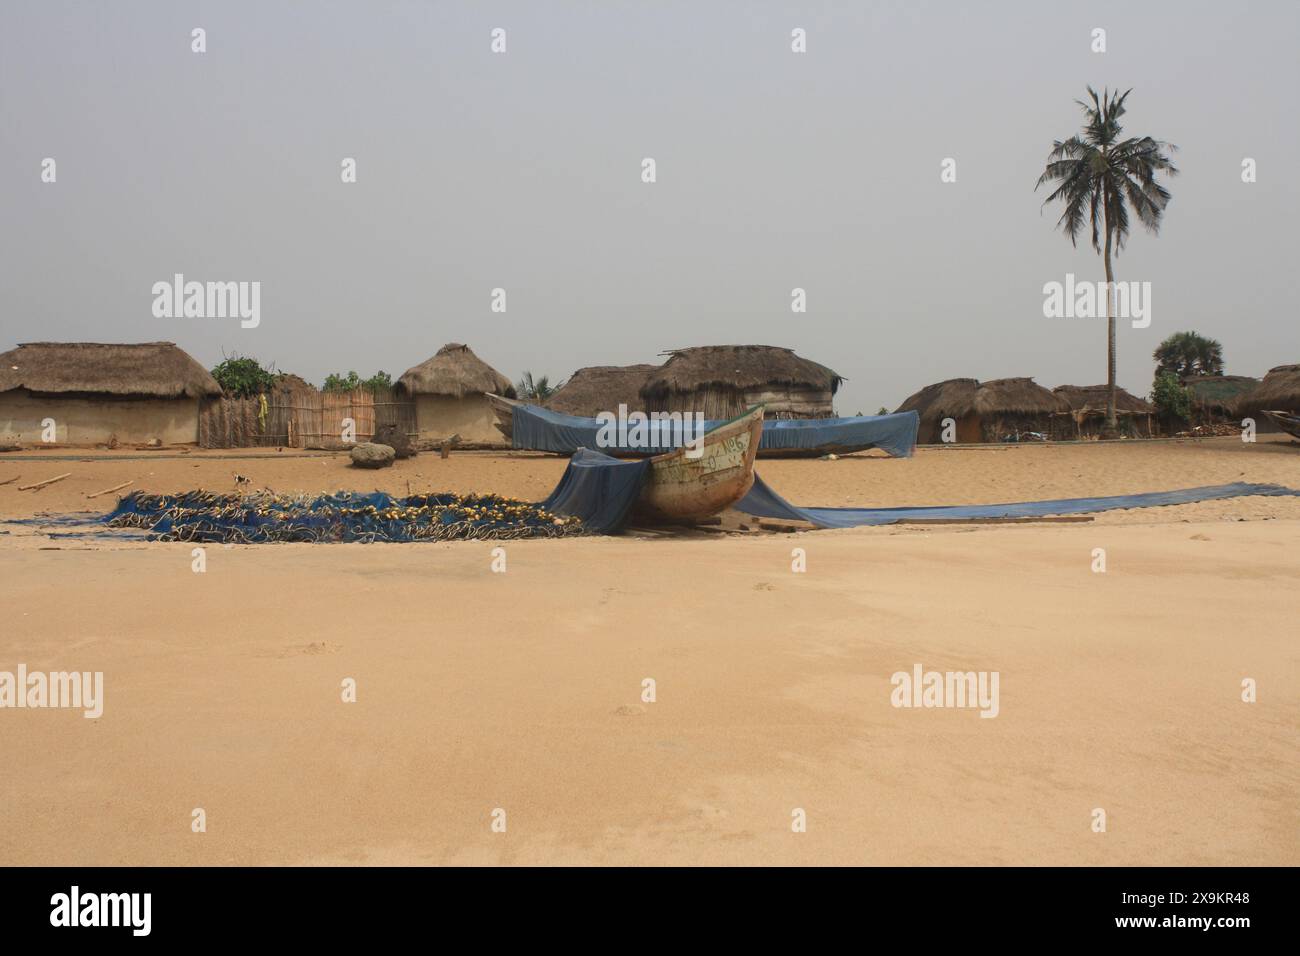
(107, 490)
(47, 481)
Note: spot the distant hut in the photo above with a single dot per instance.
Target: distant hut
(1087, 412)
(602, 388)
(1215, 397)
(1278, 392)
(721, 381)
(984, 411)
(448, 391)
(101, 393)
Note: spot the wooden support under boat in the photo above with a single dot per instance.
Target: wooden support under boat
(686, 487)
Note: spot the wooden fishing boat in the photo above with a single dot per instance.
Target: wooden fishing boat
(688, 484)
(1284, 420)
(503, 408)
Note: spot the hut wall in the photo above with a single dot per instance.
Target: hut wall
(440, 416)
(780, 402)
(90, 419)
(967, 431)
(995, 427)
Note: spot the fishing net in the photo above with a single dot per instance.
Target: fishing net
(208, 517)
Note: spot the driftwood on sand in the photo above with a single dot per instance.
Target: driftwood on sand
(47, 481)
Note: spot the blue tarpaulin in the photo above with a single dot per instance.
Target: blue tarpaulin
(540, 429)
(763, 502)
(598, 489)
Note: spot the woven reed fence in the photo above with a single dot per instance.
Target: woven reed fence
(302, 418)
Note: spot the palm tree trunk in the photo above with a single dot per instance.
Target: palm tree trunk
(1111, 428)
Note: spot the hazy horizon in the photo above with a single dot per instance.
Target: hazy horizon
(522, 170)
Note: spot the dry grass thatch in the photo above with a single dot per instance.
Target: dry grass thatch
(1280, 391)
(1092, 398)
(602, 388)
(455, 371)
(1218, 392)
(737, 368)
(149, 369)
(959, 397)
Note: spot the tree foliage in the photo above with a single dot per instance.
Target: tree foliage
(1171, 397)
(335, 382)
(1186, 354)
(244, 376)
(536, 389)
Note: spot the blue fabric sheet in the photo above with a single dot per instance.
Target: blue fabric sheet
(598, 489)
(540, 429)
(763, 502)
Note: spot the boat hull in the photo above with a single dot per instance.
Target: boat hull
(682, 489)
(1285, 421)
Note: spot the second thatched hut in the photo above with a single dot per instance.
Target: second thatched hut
(999, 410)
(1215, 397)
(1086, 414)
(1279, 392)
(448, 391)
(602, 388)
(721, 381)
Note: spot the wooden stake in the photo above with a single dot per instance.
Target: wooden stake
(107, 490)
(47, 481)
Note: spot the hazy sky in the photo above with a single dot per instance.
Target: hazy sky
(522, 170)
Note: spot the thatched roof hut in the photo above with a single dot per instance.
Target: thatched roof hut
(1215, 397)
(1087, 412)
(1279, 392)
(721, 381)
(455, 371)
(602, 388)
(147, 369)
(102, 393)
(449, 396)
(1092, 398)
(983, 411)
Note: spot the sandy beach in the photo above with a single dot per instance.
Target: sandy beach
(523, 691)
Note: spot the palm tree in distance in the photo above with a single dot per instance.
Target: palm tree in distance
(1099, 178)
(1187, 354)
(536, 389)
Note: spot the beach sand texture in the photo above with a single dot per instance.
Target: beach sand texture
(522, 690)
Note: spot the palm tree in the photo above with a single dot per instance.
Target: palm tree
(1186, 354)
(536, 390)
(1098, 178)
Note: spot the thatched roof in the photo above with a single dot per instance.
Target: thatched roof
(1092, 398)
(154, 369)
(1218, 391)
(737, 367)
(958, 397)
(1280, 391)
(602, 388)
(455, 371)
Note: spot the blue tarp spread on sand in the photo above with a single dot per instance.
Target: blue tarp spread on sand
(598, 489)
(540, 429)
(763, 502)
(601, 490)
